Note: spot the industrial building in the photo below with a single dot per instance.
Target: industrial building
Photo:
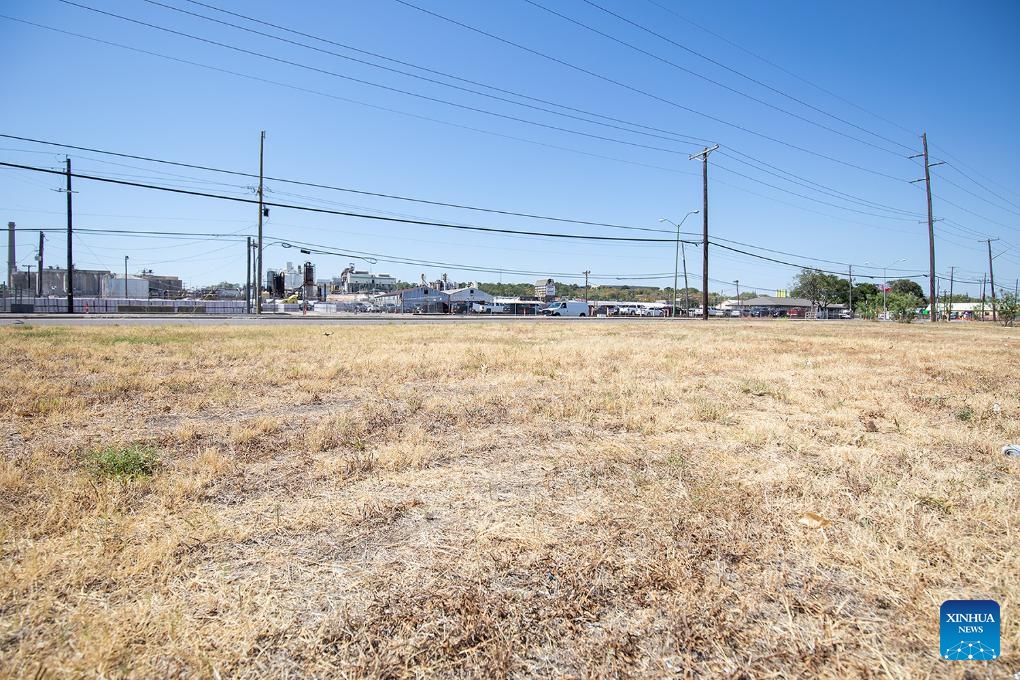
(133, 287)
(421, 299)
(163, 286)
(462, 298)
(87, 282)
(293, 276)
(352, 280)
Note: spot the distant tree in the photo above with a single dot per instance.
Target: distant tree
(508, 289)
(903, 306)
(1009, 308)
(820, 288)
(907, 287)
(866, 291)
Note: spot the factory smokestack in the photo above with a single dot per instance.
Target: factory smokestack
(12, 261)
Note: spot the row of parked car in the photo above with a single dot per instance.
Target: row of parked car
(628, 310)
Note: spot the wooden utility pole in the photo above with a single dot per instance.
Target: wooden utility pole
(247, 283)
(984, 279)
(586, 274)
(687, 290)
(12, 260)
(931, 227)
(703, 156)
(258, 279)
(949, 305)
(991, 276)
(851, 279)
(931, 223)
(38, 276)
(70, 252)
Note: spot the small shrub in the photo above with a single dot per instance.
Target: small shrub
(123, 461)
(1009, 309)
(965, 414)
(868, 309)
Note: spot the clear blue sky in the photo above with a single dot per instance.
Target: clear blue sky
(875, 71)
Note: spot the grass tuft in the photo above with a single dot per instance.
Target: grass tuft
(965, 414)
(123, 461)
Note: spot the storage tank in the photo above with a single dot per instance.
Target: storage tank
(132, 288)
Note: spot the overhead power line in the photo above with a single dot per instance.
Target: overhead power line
(744, 75)
(812, 185)
(701, 76)
(956, 164)
(391, 110)
(978, 196)
(447, 75)
(774, 65)
(642, 92)
(316, 185)
(369, 83)
(342, 213)
(721, 242)
(811, 198)
(320, 93)
(803, 266)
(654, 132)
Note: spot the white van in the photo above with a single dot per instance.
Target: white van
(566, 308)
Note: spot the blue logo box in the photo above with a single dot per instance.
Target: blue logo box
(969, 630)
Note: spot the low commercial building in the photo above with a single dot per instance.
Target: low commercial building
(462, 298)
(422, 299)
(790, 306)
(519, 307)
(979, 311)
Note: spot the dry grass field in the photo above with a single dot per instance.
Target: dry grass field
(492, 500)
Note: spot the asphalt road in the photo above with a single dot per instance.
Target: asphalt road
(297, 319)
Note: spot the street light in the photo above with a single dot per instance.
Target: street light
(125, 277)
(885, 286)
(676, 264)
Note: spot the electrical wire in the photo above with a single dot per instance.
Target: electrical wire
(657, 134)
(784, 70)
(700, 75)
(623, 239)
(810, 184)
(377, 107)
(315, 185)
(645, 93)
(741, 74)
(957, 164)
(369, 83)
(439, 73)
(810, 198)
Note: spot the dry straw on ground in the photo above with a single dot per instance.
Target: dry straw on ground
(522, 499)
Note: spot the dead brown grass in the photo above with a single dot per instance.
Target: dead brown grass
(548, 499)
